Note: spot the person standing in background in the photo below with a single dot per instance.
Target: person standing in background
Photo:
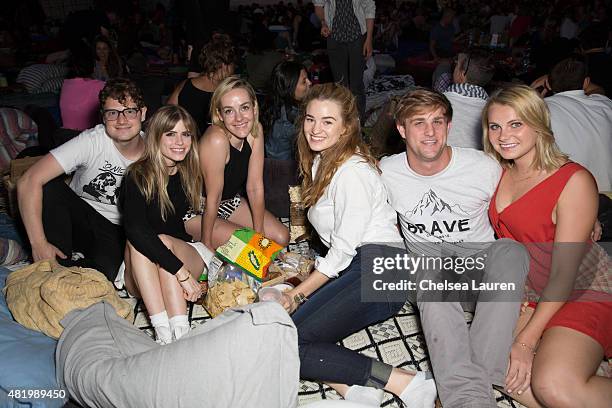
(348, 26)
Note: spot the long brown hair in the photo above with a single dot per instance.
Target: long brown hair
(113, 67)
(150, 172)
(349, 143)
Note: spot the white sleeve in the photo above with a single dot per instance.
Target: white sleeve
(75, 152)
(369, 7)
(352, 193)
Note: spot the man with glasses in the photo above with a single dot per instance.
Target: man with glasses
(66, 221)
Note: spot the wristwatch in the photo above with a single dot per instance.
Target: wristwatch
(299, 298)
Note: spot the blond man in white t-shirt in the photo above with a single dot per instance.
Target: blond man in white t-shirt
(442, 194)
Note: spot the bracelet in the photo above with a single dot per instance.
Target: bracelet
(299, 298)
(183, 280)
(527, 347)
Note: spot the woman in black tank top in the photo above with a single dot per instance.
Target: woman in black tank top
(231, 160)
(194, 94)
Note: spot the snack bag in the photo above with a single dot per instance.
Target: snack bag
(250, 251)
(226, 294)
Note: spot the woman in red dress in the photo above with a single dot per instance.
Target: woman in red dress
(550, 204)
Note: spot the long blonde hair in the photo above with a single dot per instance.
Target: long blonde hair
(531, 108)
(348, 144)
(229, 84)
(150, 172)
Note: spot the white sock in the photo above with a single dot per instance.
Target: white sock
(179, 325)
(161, 324)
(420, 393)
(369, 396)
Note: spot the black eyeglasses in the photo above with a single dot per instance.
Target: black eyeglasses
(113, 114)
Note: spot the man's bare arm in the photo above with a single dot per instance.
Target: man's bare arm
(30, 198)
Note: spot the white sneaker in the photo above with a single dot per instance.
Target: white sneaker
(369, 396)
(420, 393)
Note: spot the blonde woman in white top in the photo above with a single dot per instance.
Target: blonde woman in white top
(349, 209)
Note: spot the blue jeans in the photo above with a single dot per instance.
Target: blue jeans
(334, 312)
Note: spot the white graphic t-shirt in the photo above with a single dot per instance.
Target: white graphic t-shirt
(449, 207)
(98, 170)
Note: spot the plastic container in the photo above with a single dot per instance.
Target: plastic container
(270, 294)
(283, 287)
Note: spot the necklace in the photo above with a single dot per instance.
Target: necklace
(520, 178)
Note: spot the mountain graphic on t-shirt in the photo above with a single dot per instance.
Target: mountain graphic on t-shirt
(431, 203)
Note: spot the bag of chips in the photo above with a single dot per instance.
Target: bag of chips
(250, 251)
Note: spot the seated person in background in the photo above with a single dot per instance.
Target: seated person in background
(161, 263)
(441, 194)
(442, 35)
(194, 94)
(193, 52)
(582, 124)
(108, 63)
(593, 42)
(84, 217)
(290, 84)
(348, 209)
(232, 152)
(467, 96)
(19, 131)
(499, 22)
(79, 103)
(261, 58)
(547, 201)
(42, 78)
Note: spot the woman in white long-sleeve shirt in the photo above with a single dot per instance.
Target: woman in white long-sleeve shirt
(349, 209)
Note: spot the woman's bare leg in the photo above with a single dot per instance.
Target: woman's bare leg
(564, 370)
(526, 398)
(171, 289)
(142, 280)
(273, 228)
(223, 229)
